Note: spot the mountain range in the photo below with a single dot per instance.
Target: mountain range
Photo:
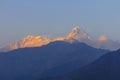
(53, 59)
(75, 57)
(76, 34)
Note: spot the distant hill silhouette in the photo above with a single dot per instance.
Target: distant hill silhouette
(34, 63)
(105, 68)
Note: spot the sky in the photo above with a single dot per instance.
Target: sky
(18, 18)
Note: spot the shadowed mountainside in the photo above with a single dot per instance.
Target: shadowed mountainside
(106, 67)
(33, 63)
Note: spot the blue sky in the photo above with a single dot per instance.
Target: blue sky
(19, 18)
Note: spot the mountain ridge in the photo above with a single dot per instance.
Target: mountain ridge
(76, 34)
(35, 62)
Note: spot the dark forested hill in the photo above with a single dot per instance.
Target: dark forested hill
(56, 58)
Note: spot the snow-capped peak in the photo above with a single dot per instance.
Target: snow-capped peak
(102, 38)
(30, 41)
(76, 30)
(78, 33)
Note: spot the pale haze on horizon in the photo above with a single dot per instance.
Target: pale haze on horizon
(19, 18)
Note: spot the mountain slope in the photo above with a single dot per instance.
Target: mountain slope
(105, 68)
(78, 34)
(28, 41)
(32, 63)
